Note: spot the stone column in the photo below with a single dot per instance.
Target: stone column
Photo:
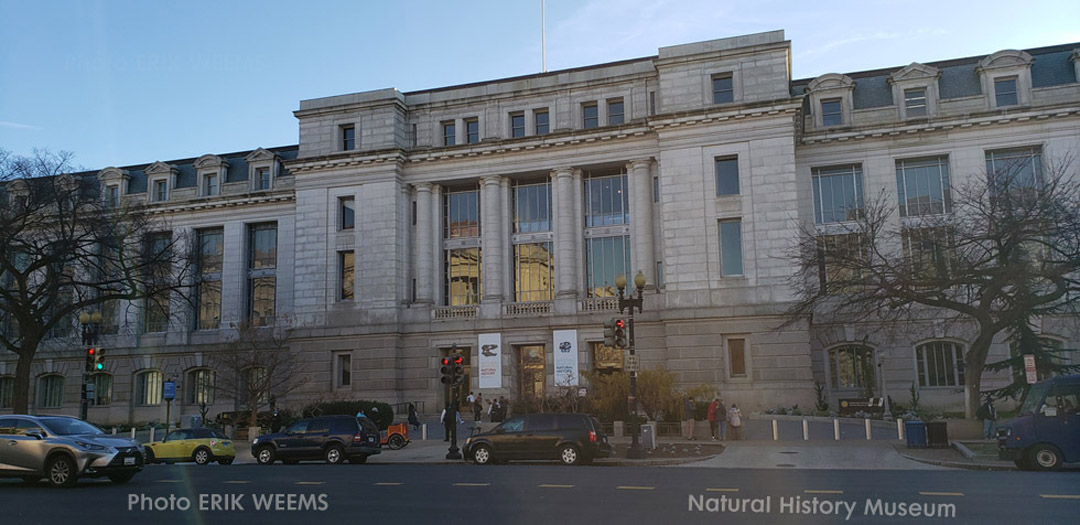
(642, 256)
(562, 207)
(506, 230)
(425, 273)
(491, 228)
(435, 246)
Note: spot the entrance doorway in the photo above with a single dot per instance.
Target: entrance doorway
(531, 361)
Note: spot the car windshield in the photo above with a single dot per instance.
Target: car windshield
(1033, 399)
(64, 426)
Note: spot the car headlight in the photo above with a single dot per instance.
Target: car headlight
(85, 445)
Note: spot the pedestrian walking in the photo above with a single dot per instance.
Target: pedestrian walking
(504, 405)
(471, 399)
(478, 407)
(735, 418)
(414, 418)
(721, 420)
(988, 414)
(450, 416)
(688, 416)
(711, 416)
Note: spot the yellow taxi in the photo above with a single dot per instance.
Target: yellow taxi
(201, 445)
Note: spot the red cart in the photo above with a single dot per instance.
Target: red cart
(396, 436)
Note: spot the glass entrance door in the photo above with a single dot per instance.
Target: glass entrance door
(533, 376)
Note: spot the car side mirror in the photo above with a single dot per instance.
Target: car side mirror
(34, 432)
(1049, 411)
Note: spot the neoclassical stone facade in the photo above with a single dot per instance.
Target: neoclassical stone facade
(406, 224)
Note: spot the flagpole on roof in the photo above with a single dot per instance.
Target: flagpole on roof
(543, 40)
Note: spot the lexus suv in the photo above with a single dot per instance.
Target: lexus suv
(330, 438)
(569, 438)
(63, 449)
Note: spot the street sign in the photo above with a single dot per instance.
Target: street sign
(1029, 369)
(169, 390)
(633, 363)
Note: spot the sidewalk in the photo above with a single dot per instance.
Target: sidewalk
(820, 455)
(962, 454)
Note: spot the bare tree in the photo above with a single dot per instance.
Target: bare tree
(257, 366)
(65, 250)
(1001, 249)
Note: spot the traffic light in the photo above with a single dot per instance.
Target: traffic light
(459, 368)
(620, 334)
(609, 332)
(99, 360)
(91, 359)
(446, 371)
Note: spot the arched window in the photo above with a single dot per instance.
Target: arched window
(852, 366)
(148, 387)
(200, 386)
(102, 389)
(7, 392)
(50, 391)
(940, 363)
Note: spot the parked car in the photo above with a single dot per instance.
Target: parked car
(63, 449)
(569, 438)
(330, 438)
(1046, 430)
(201, 445)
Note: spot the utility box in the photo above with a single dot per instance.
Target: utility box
(648, 436)
(937, 434)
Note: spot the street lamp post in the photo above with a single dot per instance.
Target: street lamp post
(630, 303)
(91, 328)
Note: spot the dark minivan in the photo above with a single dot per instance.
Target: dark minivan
(1046, 431)
(330, 438)
(569, 438)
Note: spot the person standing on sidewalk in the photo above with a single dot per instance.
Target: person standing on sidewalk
(450, 418)
(478, 407)
(721, 420)
(711, 416)
(688, 415)
(735, 417)
(414, 418)
(988, 414)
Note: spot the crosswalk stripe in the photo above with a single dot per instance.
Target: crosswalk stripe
(823, 491)
(633, 487)
(310, 482)
(237, 482)
(388, 484)
(550, 486)
(1060, 496)
(942, 493)
(721, 490)
(471, 484)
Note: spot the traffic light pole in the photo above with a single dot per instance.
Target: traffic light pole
(635, 451)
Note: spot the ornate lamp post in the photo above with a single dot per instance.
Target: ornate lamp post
(91, 328)
(630, 303)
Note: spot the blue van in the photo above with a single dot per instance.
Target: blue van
(1046, 431)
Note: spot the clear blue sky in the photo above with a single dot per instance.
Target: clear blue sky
(128, 82)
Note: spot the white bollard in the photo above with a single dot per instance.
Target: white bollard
(836, 428)
(152, 429)
(900, 429)
(114, 431)
(867, 421)
(775, 431)
(805, 430)
(423, 431)
(133, 433)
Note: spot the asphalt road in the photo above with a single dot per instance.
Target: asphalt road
(544, 493)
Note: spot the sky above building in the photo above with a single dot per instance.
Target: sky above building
(129, 82)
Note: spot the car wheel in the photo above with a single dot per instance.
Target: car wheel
(481, 455)
(395, 442)
(201, 456)
(265, 456)
(122, 477)
(150, 456)
(357, 460)
(61, 471)
(225, 461)
(1044, 457)
(569, 455)
(334, 455)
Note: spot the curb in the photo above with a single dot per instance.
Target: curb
(651, 462)
(958, 464)
(967, 452)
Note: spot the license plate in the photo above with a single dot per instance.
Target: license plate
(129, 461)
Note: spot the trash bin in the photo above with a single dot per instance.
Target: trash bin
(915, 431)
(937, 434)
(648, 436)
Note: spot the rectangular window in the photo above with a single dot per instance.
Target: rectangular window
(211, 252)
(103, 384)
(157, 306)
(51, 391)
(344, 368)
(1005, 92)
(928, 251)
(837, 193)
(345, 275)
(615, 112)
(940, 363)
(723, 89)
(655, 190)
(590, 116)
(112, 196)
(606, 358)
(200, 387)
(449, 133)
(533, 375)
(606, 201)
(161, 191)
(852, 367)
(915, 102)
(462, 214)
(923, 186)
(659, 274)
(737, 357)
(532, 208)
(348, 138)
(731, 260)
(1010, 169)
(7, 392)
(262, 273)
(472, 131)
(149, 388)
(606, 258)
(831, 112)
(542, 123)
(534, 275)
(517, 125)
(346, 213)
(210, 185)
(463, 276)
(727, 176)
(262, 179)
(842, 257)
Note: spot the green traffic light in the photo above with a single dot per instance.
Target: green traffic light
(100, 366)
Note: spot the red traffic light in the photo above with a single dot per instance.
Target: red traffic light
(445, 361)
(89, 351)
(619, 323)
(458, 359)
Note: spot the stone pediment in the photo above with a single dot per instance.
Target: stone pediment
(831, 81)
(113, 174)
(915, 71)
(1006, 58)
(210, 161)
(161, 168)
(261, 154)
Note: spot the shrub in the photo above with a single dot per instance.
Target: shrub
(822, 404)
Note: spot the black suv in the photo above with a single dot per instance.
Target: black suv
(570, 438)
(331, 438)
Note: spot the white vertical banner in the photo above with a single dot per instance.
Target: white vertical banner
(490, 360)
(566, 357)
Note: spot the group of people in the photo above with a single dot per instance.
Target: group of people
(496, 410)
(719, 416)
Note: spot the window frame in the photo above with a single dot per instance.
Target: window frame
(259, 271)
(517, 131)
(51, 388)
(343, 370)
(942, 351)
(143, 395)
(612, 115)
(744, 356)
(837, 116)
(586, 119)
(724, 256)
(7, 391)
(816, 175)
(903, 186)
(449, 132)
(718, 95)
(209, 277)
(723, 161)
(198, 388)
(472, 130)
(348, 137)
(998, 93)
(859, 379)
(916, 110)
(546, 126)
(346, 275)
(346, 213)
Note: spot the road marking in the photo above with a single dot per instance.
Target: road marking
(472, 484)
(550, 486)
(633, 487)
(721, 490)
(1060, 496)
(310, 482)
(942, 493)
(168, 481)
(237, 482)
(388, 484)
(823, 491)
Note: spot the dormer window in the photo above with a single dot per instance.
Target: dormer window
(831, 100)
(1005, 92)
(160, 191)
(211, 170)
(832, 113)
(1005, 77)
(114, 183)
(262, 178)
(915, 102)
(263, 169)
(112, 195)
(915, 90)
(210, 185)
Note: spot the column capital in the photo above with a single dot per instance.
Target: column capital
(638, 164)
(423, 186)
(562, 172)
(491, 179)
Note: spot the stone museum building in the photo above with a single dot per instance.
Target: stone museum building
(492, 218)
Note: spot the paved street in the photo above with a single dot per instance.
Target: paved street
(540, 493)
